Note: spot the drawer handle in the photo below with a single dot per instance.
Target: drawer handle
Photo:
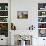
(1, 39)
(43, 39)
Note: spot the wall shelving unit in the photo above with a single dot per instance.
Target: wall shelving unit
(42, 19)
(4, 19)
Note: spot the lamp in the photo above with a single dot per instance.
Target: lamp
(24, 37)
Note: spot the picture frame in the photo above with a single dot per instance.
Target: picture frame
(22, 14)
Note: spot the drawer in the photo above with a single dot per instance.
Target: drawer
(3, 41)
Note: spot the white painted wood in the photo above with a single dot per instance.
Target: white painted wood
(3, 1)
(4, 41)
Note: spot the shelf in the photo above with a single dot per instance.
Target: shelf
(3, 16)
(41, 10)
(3, 10)
(3, 22)
(42, 16)
(41, 22)
(41, 28)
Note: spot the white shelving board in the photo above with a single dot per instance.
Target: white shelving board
(41, 28)
(3, 10)
(41, 10)
(3, 22)
(3, 16)
(41, 22)
(3, 1)
(42, 16)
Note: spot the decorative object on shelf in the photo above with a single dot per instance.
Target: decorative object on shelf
(22, 14)
(41, 13)
(3, 19)
(41, 25)
(41, 19)
(3, 6)
(31, 27)
(41, 6)
(42, 32)
(4, 26)
(4, 29)
(13, 27)
(0, 7)
(3, 13)
(6, 7)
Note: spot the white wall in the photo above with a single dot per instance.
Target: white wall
(22, 24)
(25, 5)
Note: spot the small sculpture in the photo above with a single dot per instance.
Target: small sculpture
(31, 27)
(13, 27)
